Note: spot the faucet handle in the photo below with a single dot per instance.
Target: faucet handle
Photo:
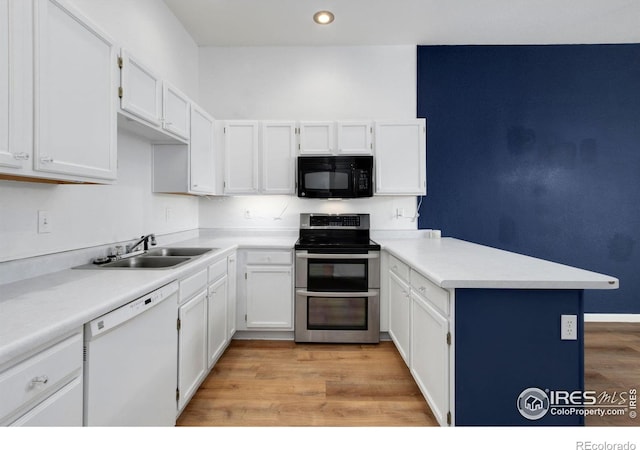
(152, 239)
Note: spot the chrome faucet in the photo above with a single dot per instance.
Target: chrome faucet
(146, 240)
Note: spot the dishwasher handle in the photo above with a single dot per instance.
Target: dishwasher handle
(118, 316)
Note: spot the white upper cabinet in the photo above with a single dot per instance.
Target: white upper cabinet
(141, 89)
(277, 157)
(316, 138)
(175, 111)
(15, 151)
(335, 138)
(241, 157)
(6, 157)
(201, 152)
(74, 94)
(354, 138)
(401, 157)
(161, 111)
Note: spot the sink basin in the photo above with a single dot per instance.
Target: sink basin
(147, 262)
(179, 251)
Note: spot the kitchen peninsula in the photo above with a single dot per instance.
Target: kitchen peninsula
(478, 326)
(496, 318)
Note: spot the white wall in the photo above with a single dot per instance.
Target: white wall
(88, 215)
(307, 83)
(150, 31)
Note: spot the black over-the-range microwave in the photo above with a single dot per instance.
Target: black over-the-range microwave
(335, 176)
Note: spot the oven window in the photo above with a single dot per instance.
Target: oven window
(324, 181)
(328, 313)
(337, 275)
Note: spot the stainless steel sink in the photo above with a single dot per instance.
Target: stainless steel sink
(157, 258)
(147, 262)
(179, 251)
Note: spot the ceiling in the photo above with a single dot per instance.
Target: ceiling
(409, 22)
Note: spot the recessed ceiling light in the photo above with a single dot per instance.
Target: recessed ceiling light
(323, 17)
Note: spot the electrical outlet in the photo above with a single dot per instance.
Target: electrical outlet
(44, 222)
(568, 327)
(167, 214)
(399, 212)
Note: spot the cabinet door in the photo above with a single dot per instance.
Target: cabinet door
(217, 314)
(75, 94)
(401, 157)
(141, 93)
(15, 78)
(201, 152)
(192, 346)
(241, 157)
(354, 138)
(62, 409)
(175, 111)
(316, 138)
(278, 157)
(399, 315)
(269, 297)
(231, 295)
(430, 355)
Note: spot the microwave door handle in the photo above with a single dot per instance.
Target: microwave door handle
(307, 293)
(337, 255)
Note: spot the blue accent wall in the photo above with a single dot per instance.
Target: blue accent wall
(536, 150)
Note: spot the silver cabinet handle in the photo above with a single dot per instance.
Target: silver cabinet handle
(22, 156)
(46, 159)
(39, 381)
(422, 288)
(336, 294)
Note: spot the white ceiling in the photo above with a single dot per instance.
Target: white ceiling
(414, 22)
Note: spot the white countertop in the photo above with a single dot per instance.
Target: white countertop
(36, 310)
(453, 263)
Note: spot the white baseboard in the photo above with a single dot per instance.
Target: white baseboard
(592, 317)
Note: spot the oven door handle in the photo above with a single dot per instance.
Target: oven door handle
(306, 293)
(305, 255)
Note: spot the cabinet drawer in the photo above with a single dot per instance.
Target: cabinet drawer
(434, 294)
(399, 268)
(192, 284)
(39, 376)
(217, 269)
(269, 257)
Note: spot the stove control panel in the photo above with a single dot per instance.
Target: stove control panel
(335, 221)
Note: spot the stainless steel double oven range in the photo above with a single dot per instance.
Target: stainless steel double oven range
(337, 280)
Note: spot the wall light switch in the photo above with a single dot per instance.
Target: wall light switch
(44, 222)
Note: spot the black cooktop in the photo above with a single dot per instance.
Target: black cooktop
(335, 233)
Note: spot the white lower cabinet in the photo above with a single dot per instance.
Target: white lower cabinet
(420, 318)
(265, 290)
(269, 297)
(430, 355)
(399, 315)
(231, 295)
(46, 388)
(192, 347)
(62, 409)
(217, 319)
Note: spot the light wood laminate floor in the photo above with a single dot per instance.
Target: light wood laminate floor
(612, 364)
(280, 383)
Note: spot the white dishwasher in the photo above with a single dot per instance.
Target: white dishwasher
(130, 363)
